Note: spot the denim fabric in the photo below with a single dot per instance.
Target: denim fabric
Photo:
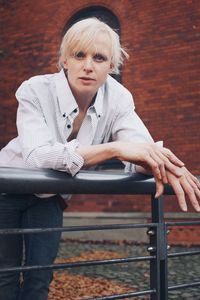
(28, 211)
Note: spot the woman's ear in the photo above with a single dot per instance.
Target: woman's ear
(65, 64)
(111, 68)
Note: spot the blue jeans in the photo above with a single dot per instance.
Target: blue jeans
(28, 211)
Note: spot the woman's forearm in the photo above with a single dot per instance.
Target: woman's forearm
(97, 154)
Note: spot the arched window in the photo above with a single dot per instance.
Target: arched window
(100, 12)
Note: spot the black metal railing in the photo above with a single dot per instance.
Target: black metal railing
(26, 181)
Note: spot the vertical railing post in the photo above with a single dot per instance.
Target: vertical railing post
(158, 246)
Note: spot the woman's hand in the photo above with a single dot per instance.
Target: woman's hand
(151, 157)
(167, 168)
(185, 185)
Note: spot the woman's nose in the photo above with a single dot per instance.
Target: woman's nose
(88, 66)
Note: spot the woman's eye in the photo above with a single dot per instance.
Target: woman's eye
(79, 55)
(99, 58)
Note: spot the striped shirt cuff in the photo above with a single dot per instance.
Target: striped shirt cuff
(73, 161)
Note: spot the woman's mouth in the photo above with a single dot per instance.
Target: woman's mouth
(86, 80)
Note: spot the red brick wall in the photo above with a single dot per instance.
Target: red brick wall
(163, 40)
(184, 235)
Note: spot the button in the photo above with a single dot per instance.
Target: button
(64, 115)
(75, 110)
(99, 116)
(68, 126)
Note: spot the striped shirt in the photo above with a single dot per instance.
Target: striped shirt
(45, 115)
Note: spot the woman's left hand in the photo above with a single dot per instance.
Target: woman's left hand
(184, 185)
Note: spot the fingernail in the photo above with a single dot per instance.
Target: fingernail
(184, 208)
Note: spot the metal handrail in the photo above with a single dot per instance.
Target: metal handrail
(28, 181)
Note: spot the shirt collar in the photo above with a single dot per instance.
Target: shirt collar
(66, 100)
(98, 103)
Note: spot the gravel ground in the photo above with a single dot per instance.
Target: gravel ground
(136, 275)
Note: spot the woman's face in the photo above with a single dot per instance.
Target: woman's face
(88, 70)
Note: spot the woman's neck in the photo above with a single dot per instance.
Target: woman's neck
(84, 100)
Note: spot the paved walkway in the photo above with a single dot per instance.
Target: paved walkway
(136, 275)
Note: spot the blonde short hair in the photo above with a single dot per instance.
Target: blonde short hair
(81, 36)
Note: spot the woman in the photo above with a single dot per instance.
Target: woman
(70, 120)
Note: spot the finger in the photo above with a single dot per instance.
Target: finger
(154, 167)
(164, 161)
(163, 173)
(177, 171)
(189, 190)
(193, 178)
(161, 165)
(192, 183)
(172, 157)
(178, 190)
(159, 188)
(194, 186)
